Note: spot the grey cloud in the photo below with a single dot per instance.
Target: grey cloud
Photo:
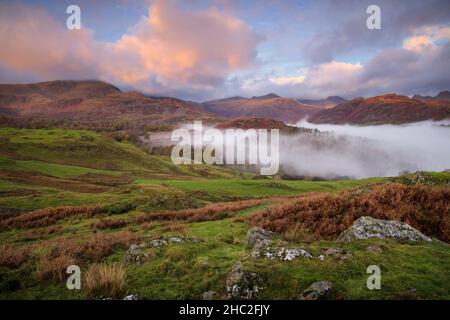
(348, 32)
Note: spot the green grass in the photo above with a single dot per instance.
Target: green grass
(54, 167)
(95, 151)
(221, 188)
(49, 169)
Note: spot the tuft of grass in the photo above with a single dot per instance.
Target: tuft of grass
(53, 268)
(105, 280)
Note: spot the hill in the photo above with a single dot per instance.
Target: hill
(443, 95)
(389, 108)
(329, 102)
(87, 149)
(89, 101)
(268, 106)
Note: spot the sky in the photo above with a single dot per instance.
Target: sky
(203, 50)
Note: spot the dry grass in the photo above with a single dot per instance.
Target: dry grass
(214, 211)
(99, 246)
(13, 257)
(325, 216)
(105, 280)
(53, 268)
(109, 224)
(174, 227)
(46, 217)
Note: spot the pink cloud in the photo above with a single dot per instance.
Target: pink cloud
(168, 50)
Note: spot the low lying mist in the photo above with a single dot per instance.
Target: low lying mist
(366, 151)
(344, 151)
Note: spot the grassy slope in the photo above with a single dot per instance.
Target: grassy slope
(180, 271)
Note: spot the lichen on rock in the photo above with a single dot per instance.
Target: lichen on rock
(368, 228)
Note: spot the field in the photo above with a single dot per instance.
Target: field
(79, 197)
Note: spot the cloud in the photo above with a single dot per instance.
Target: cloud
(339, 76)
(418, 43)
(168, 51)
(282, 81)
(34, 43)
(189, 48)
(346, 32)
(420, 66)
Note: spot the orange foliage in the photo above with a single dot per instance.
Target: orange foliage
(214, 211)
(325, 216)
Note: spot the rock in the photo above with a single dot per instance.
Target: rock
(284, 254)
(341, 254)
(259, 238)
(137, 252)
(131, 297)
(158, 243)
(320, 290)
(368, 227)
(374, 249)
(209, 295)
(243, 284)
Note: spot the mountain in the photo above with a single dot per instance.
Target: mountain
(329, 102)
(88, 101)
(252, 123)
(389, 108)
(268, 106)
(443, 95)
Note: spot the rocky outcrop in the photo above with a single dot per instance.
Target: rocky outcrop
(138, 253)
(281, 253)
(320, 290)
(259, 238)
(243, 284)
(368, 227)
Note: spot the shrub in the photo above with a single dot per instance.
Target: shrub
(121, 207)
(105, 280)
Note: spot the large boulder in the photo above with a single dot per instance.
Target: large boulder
(320, 290)
(368, 227)
(243, 284)
(259, 238)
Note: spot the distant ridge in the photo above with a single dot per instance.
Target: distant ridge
(389, 108)
(88, 101)
(443, 95)
(267, 106)
(330, 101)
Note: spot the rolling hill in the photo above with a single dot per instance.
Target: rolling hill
(389, 108)
(89, 101)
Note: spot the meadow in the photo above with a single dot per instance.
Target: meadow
(80, 197)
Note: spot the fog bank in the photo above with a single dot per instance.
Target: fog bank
(366, 151)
